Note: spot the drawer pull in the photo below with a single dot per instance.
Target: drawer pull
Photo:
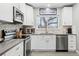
(71, 41)
(71, 46)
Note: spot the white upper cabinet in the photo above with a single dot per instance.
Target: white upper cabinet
(67, 15)
(22, 7)
(6, 12)
(28, 16)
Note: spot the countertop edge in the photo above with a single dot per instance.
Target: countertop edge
(20, 40)
(53, 34)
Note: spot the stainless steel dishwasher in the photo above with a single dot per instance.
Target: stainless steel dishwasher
(61, 43)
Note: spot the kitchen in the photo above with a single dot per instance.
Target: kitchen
(37, 29)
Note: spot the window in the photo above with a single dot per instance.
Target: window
(42, 23)
(47, 18)
(50, 22)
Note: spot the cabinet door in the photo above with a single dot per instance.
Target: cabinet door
(43, 42)
(38, 42)
(19, 49)
(11, 52)
(52, 42)
(67, 15)
(29, 15)
(71, 42)
(15, 51)
(6, 12)
(24, 10)
(35, 41)
(48, 42)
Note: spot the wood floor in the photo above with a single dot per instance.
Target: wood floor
(54, 53)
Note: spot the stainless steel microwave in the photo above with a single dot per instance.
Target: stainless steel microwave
(18, 16)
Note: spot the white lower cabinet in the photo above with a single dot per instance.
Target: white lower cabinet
(71, 42)
(28, 15)
(15, 51)
(52, 42)
(34, 42)
(43, 42)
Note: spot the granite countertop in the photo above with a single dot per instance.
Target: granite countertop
(51, 34)
(7, 45)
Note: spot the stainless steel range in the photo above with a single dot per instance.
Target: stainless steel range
(27, 46)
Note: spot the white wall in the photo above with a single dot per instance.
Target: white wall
(75, 22)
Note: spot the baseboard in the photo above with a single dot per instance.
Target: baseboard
(61, 50)
(43, 50)
(52, 50)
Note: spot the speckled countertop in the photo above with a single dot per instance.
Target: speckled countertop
(51, 34)
(6, 45)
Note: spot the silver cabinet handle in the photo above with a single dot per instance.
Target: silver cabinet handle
(71, 41)
(71, 46)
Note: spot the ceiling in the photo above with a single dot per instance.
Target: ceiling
(50, 5)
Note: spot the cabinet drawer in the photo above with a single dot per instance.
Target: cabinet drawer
(71, 43)
(71, 37)
(72, 40)
(72, 47)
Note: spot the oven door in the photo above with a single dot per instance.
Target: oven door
(27, 47)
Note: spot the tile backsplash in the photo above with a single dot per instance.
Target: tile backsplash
(7, 26)
(50, 30)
